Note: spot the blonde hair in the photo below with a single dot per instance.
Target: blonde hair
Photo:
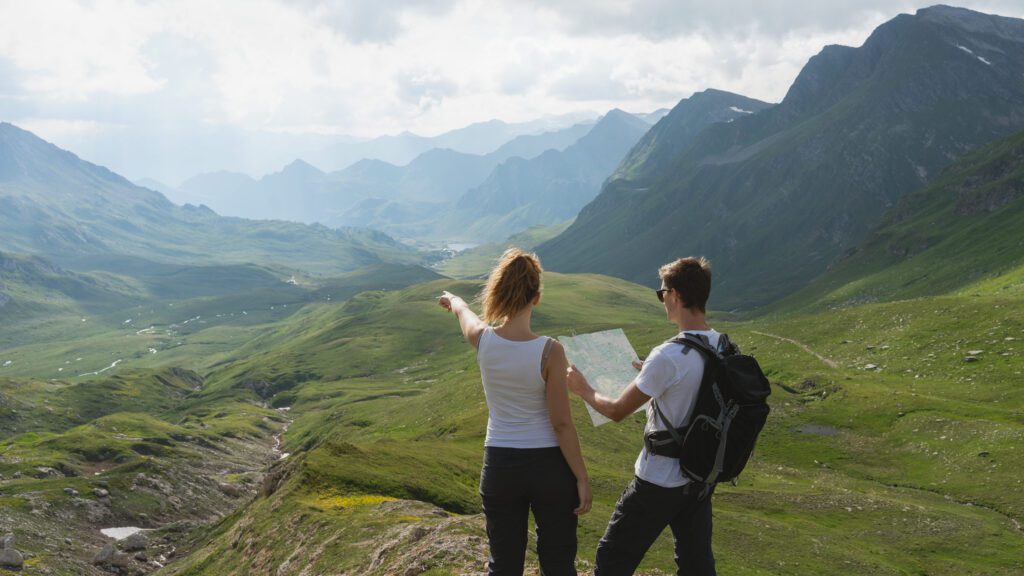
(512, 285)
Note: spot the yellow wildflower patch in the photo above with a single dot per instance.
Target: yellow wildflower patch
(338, 502)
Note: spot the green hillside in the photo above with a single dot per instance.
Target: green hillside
(888, 455)
(56, 205)
(964, 229)
(776, 197)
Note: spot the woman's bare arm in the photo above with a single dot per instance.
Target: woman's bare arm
(557, 396)
(471, 324)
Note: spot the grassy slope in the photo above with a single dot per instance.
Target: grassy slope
(906, 469)
(963, 229)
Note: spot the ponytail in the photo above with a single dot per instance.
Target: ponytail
(512, 285)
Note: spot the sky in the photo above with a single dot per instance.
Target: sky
(131, 84)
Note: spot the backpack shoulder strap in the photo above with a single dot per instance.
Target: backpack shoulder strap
(697, 342)
(668, 425)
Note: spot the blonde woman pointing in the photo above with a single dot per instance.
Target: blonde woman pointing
(532, 458)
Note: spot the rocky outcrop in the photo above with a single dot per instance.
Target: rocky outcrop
(9, 557)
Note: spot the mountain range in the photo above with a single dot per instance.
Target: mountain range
(303, 193)
(55, 205)
(775, 197)
(517, 193)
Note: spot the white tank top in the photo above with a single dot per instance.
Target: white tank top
(514, 386)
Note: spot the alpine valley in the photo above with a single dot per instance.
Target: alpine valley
(259, 380)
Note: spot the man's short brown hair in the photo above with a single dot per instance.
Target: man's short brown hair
(689, 277)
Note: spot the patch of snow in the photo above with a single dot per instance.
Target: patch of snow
(740, 110)
(146, 330)
(128, 321)
(152, 350)
(98, 372)
(8, 363)
(121, 533)
(969, 51)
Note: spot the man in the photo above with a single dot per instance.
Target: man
(659, 495)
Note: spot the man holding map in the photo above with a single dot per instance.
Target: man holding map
(659, 495)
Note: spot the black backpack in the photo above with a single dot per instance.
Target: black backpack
(730, 411)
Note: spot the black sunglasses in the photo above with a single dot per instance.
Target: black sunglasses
(661, 294)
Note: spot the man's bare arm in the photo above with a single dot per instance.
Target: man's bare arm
(616, 409)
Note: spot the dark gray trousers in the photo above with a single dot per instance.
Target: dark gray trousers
(643, 511)
(515, 481)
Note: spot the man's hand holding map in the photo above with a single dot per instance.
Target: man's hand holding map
(607, 359)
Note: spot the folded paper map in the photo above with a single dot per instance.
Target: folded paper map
(605, 358)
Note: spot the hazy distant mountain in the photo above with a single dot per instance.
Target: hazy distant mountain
(297, 192)
(302, 193)
(653, 117)
(56, 205)
(478, 139)
(157, 186)
(775, 197)
(545, 190)
(516, 194)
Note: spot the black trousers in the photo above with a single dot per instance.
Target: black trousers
(642, 512)
(515, 481)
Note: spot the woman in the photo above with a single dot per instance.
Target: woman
(532, 457)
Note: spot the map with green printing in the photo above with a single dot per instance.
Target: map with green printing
(605, 359)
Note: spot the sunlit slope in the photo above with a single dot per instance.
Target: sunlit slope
(963, 233)
(161, 315)
(906, 466)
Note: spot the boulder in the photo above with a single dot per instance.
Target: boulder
(134, 543)
(229, 489)
(104, 556)
(7, 541)
(11, 558)
(71, 491)
(100, 492)
(46, 472)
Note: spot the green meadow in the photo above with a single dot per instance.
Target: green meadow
(893, 446)
(886, 451)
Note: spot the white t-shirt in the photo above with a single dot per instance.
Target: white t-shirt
(673, 379)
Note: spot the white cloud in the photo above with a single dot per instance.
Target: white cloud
(69, 51)
(366, 67)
